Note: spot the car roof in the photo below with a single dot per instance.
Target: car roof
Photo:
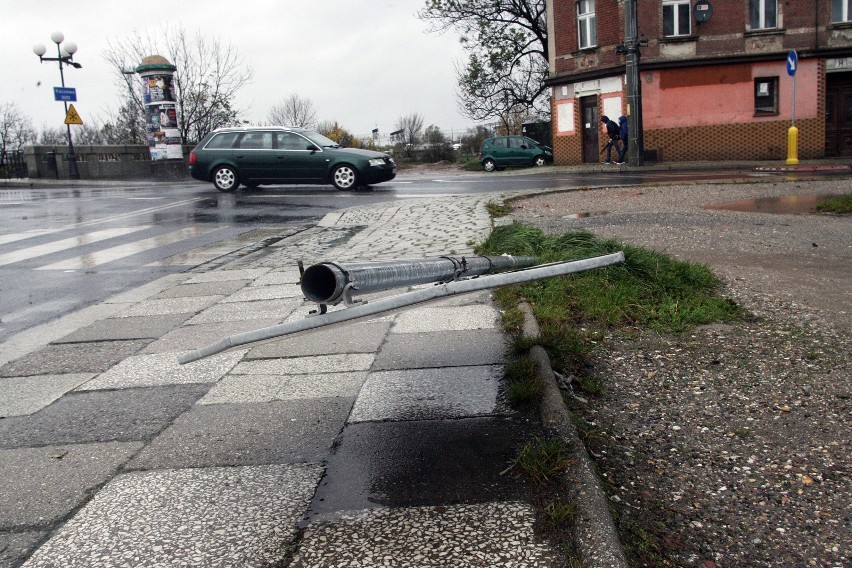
(254, 128)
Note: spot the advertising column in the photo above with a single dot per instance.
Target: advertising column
(160, 100)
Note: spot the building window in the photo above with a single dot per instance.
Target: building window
(676, 19)
(586, 24)
(765, 95)
(763, 14)
(841, 11)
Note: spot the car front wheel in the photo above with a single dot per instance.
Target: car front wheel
(226, 179)
(344, 177)
(489, 165)
(538, 161)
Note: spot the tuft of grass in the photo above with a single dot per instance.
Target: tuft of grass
(497, 209)
(558, 513)
(524, 387)
(543, 459)
(840, 205)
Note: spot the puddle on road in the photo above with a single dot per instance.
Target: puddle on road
(786, 204)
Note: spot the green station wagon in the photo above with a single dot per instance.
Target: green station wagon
(255, 156)
(502, 151)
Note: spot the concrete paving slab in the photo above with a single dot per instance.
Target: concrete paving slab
(222, 275)
(266, 388)
(93, 357)
(289, 276)
(306, 365)
(163, 369)
(422, 320)
(42, 485)
(15, 546)
(100, 416)
(36, 337)
(428, 394)
(442, 349)
(216, 517)
(20, 396)
(354, 338)
(433, 462)
(486, 534)
(169, 306)
(148, 290)
(274, 292)
(190, 337)
(247, 434)
(218, 288)
(235, 311)
(136, 327)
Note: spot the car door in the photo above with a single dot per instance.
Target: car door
(256, 156)
(519, 151)
(301, 159)
(500, 151)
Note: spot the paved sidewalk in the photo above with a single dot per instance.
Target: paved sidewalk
(379, 443)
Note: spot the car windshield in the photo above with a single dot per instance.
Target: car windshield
(320, 140)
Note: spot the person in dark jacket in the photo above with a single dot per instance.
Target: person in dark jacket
(612, 132)
(622, 133)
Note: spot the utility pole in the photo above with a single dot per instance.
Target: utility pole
(635, 148)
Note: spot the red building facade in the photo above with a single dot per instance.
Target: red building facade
(713, 76)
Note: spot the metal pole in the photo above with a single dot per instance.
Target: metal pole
(635, 150)
(73, 172)
(401, 301)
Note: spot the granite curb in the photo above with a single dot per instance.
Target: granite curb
(595, 537)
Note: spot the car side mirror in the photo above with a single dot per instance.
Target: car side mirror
(313, 147)
(524, 147)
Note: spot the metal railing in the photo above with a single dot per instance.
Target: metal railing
(13, 165)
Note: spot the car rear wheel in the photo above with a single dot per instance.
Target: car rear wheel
(489, 165)
(538, 161)
(226, 179)
(344, 177)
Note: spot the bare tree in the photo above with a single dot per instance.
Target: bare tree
(506, 41)
(293, 111)
(410, 130)
(16, 128)
(209, 75)
(53, 136)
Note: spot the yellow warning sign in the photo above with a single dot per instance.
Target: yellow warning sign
(72, 117)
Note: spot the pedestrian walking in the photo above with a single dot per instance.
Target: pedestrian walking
(612, 132)
(622, 133)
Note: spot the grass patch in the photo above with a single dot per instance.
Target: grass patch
(841, 205)
(558, 514)
(649, 290)
(524, 388)
(497, 209)
(543, 459)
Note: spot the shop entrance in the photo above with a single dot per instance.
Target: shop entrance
(589, 116)
(838, 114)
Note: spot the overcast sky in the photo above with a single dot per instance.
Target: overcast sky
(364, 63)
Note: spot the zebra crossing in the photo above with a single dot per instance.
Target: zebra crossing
(41, 255)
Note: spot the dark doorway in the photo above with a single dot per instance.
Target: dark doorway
(589, 117)
(838, 114)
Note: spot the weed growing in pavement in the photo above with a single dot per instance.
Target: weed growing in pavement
(557, 513)
(497, 209)
(543, 459)
(524, 387)
(841, 205)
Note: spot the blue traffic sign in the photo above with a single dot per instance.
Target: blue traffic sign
(792, 63)
(65, 94)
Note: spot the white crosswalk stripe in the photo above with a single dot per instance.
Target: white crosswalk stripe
(66, 244)
(122, 251)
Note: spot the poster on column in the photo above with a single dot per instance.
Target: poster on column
(158, 88)
(163, 133)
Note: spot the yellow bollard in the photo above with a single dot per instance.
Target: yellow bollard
(792, 146)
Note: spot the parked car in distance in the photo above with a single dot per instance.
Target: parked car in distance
(256, 155)
(501, 151)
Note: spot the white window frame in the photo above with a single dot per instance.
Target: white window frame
(845, 11)
(675, 10)
(762, 5)
(586, 21)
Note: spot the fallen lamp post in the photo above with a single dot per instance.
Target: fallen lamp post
(334, 283)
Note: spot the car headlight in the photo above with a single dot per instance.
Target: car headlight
(377, 162)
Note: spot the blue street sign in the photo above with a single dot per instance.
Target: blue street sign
(65, 94)
(792, 63)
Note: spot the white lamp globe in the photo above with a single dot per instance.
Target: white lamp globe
(70, 47)
(39, 49)
(57, 37)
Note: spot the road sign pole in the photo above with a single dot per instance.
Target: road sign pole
(793, 132)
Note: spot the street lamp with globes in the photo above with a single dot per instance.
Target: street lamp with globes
(65, 56)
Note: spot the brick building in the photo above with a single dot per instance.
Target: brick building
(712, 89)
